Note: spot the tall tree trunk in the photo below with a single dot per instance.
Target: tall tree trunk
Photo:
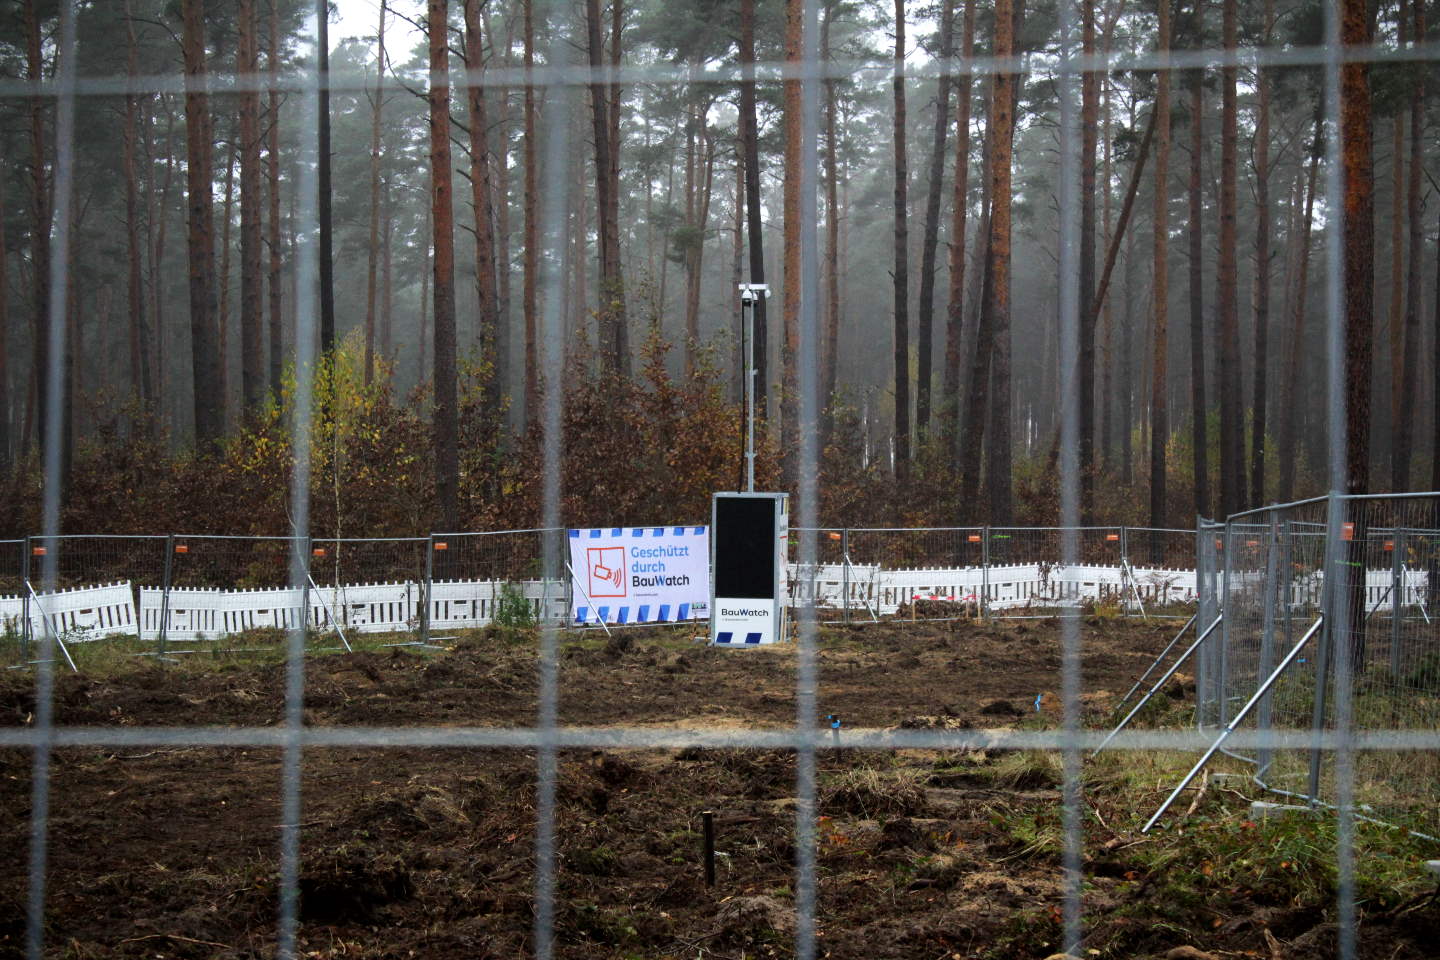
(902, 271)
(612, 218)
(252, 336)
(40, 230)
(614, 351)
(1089, 129)
(1107, 314)
(272, 170)
(1357, 138)
(832, 237)
(141, 385)
(1262, 271)
(1289, 414)
(998, 474)
(6, 420)
(1199, 410)
(447, 432)
(691, 280)
(377, 111)
(222, 293)
(790, 300)
(1128, 380)
(754, 226)
(737, 276)
(1232, 458)
(925, 319)
(480, 194)
(327, 255)
(1435, 379)
(1160, 343)
(204, 351)
(1409, 371)
(387, 296)
(156, 222)
(1387, 415)
(694, 255)
(959, 209)
(529, 301)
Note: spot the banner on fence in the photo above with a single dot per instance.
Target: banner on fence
(640, 574)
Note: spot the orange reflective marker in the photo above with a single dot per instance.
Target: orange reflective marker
(834, 536)
(1112, 536)
(1347, 531)
(318, 552)
(973, 538)
(1252, 543)
(182, 548)
(441, 545)
(37, 551)
(1389, 546)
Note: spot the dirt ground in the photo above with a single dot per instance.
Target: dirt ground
(428, 853)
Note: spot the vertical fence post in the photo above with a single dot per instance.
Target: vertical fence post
(426, 588)
(1397, 594)
(25, 632)
(1267, 638)
(1205, 590)
(985, 572)
(844, 570)
(1222, 672)
(161, 637)
(306, 556)
(1334, 600)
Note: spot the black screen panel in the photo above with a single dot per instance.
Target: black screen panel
(745, 547)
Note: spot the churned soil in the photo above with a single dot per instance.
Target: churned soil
(407, 852)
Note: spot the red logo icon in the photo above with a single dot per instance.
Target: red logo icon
(607, 571)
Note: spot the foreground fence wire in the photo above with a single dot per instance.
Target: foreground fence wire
(1359, 677)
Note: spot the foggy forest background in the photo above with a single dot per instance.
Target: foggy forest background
(1200, 384)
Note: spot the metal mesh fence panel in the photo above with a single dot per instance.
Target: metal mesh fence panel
(921, 573)
(1275, 586)
(476, 577)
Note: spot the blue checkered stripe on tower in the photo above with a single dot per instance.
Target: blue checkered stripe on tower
(727, 636)
(636, 613)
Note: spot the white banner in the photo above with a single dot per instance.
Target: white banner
(640, 574)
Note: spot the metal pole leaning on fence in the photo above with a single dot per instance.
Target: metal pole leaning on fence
(162, 634)
(329, 609)
(1235, 723)
(598, 619)
(49, 626)
(1158, 660)
(426, 588)
(845, 572)
(985, 572)
(1397, 593)
(25, 633)
(1163, 679)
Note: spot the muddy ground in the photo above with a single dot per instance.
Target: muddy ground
(428, 853)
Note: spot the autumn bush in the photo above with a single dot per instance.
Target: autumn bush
(639, 450)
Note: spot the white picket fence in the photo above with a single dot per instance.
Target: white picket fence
(103, 610)
(1004, 587)
(79, 614)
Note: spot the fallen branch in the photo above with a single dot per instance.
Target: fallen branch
(177, 937)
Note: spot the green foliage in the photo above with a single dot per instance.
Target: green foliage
(512, 609)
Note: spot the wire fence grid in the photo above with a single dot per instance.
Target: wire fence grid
(1369, 679)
